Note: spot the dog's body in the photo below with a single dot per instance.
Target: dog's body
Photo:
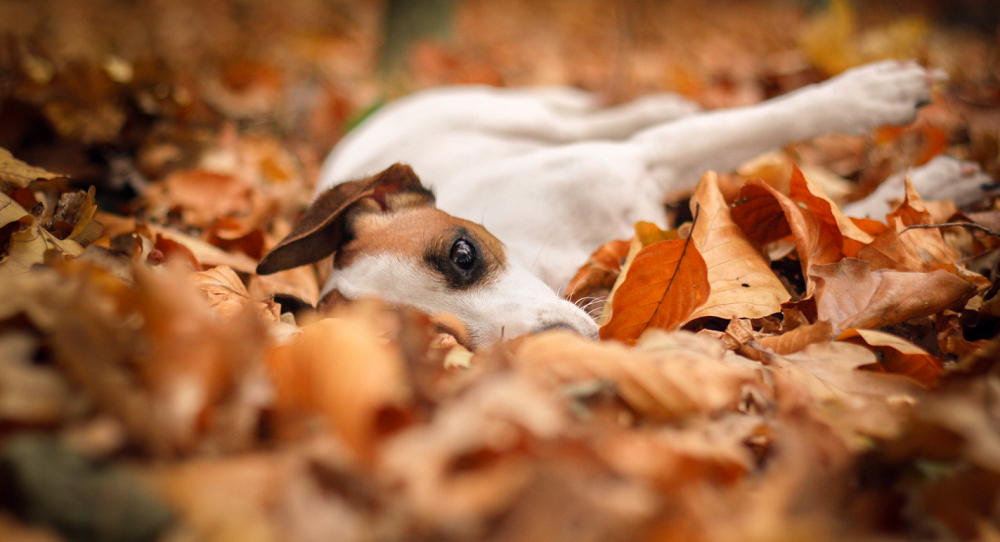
(553, 177)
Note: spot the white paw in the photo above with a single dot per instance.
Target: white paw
(877, 94)
(949, 178)
(942, 178)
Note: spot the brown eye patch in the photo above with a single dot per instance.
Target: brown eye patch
(461, 258)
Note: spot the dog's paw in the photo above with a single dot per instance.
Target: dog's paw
(942, 178)
(877, 94)
(949, 178)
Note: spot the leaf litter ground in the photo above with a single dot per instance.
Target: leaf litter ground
(772, 371)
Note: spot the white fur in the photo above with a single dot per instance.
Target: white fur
(553, 176)
(513, 304)
(943, 177)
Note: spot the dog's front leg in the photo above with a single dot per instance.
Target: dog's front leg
(854, 102)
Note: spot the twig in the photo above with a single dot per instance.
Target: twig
(972, 225)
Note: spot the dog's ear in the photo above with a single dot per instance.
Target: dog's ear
(323, 228)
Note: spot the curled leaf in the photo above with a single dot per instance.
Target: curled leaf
(740, 277)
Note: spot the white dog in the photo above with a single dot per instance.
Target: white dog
(553, 177)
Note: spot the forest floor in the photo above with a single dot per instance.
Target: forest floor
(154, 387)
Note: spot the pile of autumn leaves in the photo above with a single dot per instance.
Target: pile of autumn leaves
(179, 406)
(859, 274)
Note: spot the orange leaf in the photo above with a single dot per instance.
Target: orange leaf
(821, 206)
(896, 355)
(798, 338)
(665, 283)
(340, 369)
(818, 241)
(600, 271)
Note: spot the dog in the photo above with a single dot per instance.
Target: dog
(553, 176)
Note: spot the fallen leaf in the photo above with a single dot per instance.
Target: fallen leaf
(29, 245)
(31, 394)
(708, 450)
(766, 215)
(741, 282)
(897, 355)
(909, 250)
(17, 174)
(798, 338)
(857, 402)
(850, 295)
(664, 284)
(599, 273)
(665, 377)
(206, 255)
(343, 371)
(226, 499)
(227, 295)
(802, 190)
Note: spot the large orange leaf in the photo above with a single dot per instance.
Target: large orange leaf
(665, 282)
(742, 283)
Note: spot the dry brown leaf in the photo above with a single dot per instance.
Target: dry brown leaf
(766, 215)
(663, 285)
(206, 255)
(911, 250)
(226, 499)
(299, 282)
(665, 377)
(849, 294)
(31, 394)
(203, 197)
(30, 242)
(856, 401)
(599, 273)
(471, 461)
(343, 371)
(17, 174)
(227, 295)
(802, 190)
(707, 450)
(741, 282)
(205, 376)
(897, 355)
(798, 338)
(951, 336)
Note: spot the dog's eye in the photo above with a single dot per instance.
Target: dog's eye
(463, 254)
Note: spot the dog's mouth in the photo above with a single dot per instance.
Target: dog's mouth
(556, 325)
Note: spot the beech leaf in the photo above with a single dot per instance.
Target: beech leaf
(17, 174)
(849, 294)
(666, 281)
(740, 277)
(29, 245)
(897, 355)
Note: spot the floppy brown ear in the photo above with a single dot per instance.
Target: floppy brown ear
(323, 227)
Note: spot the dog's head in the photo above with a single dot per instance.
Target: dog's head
(389, 241)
